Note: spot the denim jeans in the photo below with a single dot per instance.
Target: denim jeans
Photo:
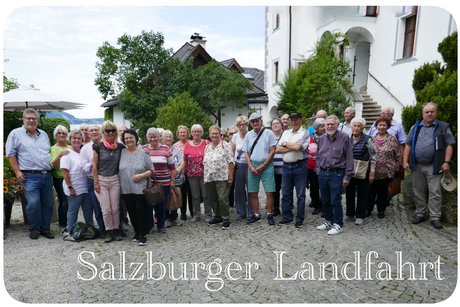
(330, 186)
(62, 199)
(38, 191)
(294, 175)
(74, 205)
(95, 206)
(241, 194)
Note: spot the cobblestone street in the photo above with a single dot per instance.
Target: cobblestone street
(240, 265)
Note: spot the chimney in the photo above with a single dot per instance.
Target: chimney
(197, 39)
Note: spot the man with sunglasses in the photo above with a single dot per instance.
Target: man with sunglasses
(28, 150)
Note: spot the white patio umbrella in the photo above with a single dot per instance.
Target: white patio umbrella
(20, 99)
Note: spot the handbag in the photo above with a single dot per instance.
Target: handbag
(394, 187)
(174, 199)
(154, 194)
(360, 168)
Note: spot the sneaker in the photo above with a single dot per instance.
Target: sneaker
(324, 226)
(335, 230)
(226, 225)
(136, 238)
(254, 219)
(183, 217)
(436, 224)
(359, 221)
(177, 223)
(142, 241)
(214, 222)
(270, 220)
(284, 222)
(168, 224)
(65, 233)
(208, 219)
(34, 234)
(298, 224)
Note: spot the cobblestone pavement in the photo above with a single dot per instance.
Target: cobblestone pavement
(46, 271)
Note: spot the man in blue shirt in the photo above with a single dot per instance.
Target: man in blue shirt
(28, 150)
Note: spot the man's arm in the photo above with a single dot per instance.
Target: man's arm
(447, 158)
(15, 167)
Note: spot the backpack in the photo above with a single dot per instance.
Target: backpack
(82, 232)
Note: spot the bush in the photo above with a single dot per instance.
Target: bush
(48, 125)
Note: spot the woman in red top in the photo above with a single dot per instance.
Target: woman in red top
(194, 169)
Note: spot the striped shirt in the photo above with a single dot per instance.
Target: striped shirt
(163, 163)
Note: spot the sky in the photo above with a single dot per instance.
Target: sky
(54, 48)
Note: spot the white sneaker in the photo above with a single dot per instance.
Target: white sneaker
(359, 221)
(335, 230)
(325, 226)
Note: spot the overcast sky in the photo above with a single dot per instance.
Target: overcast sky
(54, 48)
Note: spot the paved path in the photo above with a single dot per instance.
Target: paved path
(45, 271)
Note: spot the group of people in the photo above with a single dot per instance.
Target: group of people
(105, 169)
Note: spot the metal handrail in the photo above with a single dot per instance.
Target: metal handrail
(391, 94)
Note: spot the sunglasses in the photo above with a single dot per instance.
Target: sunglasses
(110, 130)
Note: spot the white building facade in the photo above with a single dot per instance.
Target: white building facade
(384, 45)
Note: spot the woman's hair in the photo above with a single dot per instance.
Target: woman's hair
(109, 125)
(130, 131)
(197, 126)
(240, 119)
(153, 130)
(383, 119)
(60, 127)
(182, 127)
(168, 132)
(277, 119)
(358, 120)
(214, 127)
(319, 122)
(74, 132)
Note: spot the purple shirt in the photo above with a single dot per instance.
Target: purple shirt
(335, 152)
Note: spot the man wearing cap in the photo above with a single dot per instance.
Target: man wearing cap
(259, 148)
(28, 150)
(334, 166)
(293, 145)
(427, 154)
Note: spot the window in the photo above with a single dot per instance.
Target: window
(371, 11)
(409, 34)
(275, 72)
(276, 22)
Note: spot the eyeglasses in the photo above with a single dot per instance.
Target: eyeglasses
(30, 118)
(110, 131)
(223, 135)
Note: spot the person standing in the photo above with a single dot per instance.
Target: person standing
(428, 153)
(86, 154)
(28, 150)
(285, 121)
(334, 166)
(320, 128)
(319, 114)
(106, 160)
(59, 150)
(348, 114)
(259, 149)
(218, 176)
(75, 184)
(243, 210)
(293, 145)
(277, 129)
(183, 135)
(135, 170)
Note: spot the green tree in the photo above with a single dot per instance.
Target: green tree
(143, 75)
(214, 87)
(182, 109)
(319, 83)
(11, 120)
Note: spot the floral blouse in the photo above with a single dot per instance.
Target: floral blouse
(216, 161)
(387, 155)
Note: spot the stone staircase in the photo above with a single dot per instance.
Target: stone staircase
(371, 109)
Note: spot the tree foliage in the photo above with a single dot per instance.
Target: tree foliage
(142, 74)
(182, 109)
(319, 83)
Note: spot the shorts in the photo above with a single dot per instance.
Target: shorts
(267, 177)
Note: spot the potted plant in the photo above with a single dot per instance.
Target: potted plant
(11, 190)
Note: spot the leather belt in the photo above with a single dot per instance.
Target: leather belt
(36, 171)
(298, 162)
